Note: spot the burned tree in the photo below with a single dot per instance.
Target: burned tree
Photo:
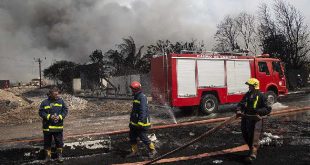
(227, 33)
(291, 24)
(245, 24)
(286, 36)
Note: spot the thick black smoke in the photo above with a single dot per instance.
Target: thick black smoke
(72, 29)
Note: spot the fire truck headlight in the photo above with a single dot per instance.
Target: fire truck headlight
(280, 83)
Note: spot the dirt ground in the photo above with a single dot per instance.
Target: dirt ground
(291, 148)
(85, 116)
(21, 122)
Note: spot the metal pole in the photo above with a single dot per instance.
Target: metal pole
(39, 60)
(40, 72)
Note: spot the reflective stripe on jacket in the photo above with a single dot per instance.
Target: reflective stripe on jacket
(254, 103)
(50, 107)
(140, 115)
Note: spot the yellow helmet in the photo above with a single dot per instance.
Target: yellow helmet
(254, 82)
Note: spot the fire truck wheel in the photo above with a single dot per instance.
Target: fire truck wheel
(271, 97)
(208, 104)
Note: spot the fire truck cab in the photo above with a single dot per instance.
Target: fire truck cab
(209, 79)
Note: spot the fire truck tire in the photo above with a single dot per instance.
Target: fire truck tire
(208, 104)
(271, 97)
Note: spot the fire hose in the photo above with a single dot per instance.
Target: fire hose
(227, 121)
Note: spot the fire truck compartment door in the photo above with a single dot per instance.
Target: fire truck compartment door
(238, 72)
(186, 77)
(211, 73)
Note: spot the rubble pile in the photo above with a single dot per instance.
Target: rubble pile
(102, 108)
(21, 105)
(116, 106)
(15, 110)
(6, 105)
(270, 139)
(28, 113)
(8, 101)
(21, 90)
(74, 102)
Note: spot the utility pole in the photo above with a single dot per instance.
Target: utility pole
(38, 60)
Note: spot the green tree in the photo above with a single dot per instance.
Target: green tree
(128, 59)
(102, 62)
(63, 72)
(116, 59)
(130, 53)
(166, 47)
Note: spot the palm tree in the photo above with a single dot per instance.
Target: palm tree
(129, 52)
(130, 55)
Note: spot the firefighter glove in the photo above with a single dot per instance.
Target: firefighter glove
(55, 118)
(238, 114)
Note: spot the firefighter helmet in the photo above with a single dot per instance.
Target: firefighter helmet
(135, 85)
(254, 82)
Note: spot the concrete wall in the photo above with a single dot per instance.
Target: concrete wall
(122, 83)
(82, 84)
(146, 83)
(77, 87)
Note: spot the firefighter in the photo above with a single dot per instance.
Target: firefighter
(53, 111)
(299, 81)
(139, 121)
(252, 108)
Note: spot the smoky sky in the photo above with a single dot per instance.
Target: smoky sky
(71, 29)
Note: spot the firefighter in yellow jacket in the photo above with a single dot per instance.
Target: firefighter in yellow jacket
(139, 121)
(252, 108)
(53, 111)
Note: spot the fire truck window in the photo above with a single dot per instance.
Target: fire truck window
(263, 67)
(276, 66)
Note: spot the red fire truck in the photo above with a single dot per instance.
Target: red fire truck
(209, 79)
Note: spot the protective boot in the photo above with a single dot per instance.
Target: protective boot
(152, 150)
(252, 155)
(134, 151)
(60, 159)
(48, 155)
